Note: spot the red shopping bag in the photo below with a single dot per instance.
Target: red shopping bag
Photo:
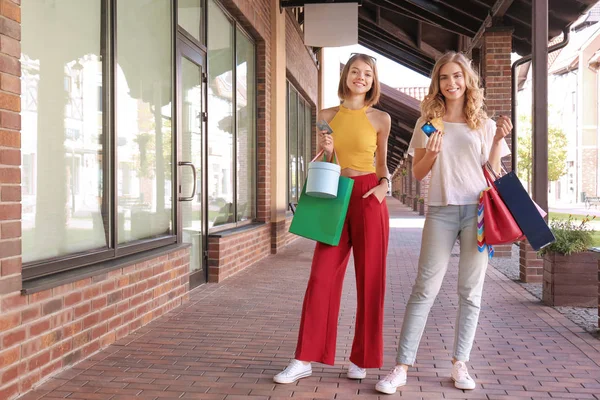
(499, 226)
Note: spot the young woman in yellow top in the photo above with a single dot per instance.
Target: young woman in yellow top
(360, 135)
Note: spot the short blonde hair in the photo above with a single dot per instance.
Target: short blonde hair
(434, 105)
(372, 96)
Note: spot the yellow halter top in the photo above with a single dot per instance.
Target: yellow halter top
(355, 139)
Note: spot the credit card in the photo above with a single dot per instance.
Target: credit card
(324, 126)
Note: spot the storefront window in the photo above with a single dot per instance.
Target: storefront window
(67, 137)
(190, 15)
(300, 132)
(246, 127)
(231, 135)
(143, 120)
(64, 202)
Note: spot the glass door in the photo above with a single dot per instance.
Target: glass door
(191, 140)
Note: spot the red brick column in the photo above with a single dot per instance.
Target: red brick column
(425, 190)
(10, 153)
(531, 266)
(496, 76)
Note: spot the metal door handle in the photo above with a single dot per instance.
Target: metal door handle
(189, 164)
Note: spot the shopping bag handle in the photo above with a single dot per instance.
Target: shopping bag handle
(489, 174)
(493, 175)
(333, 157)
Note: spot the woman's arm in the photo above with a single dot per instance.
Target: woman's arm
(424, 159)
(384, 123)
(503, 129)
(324, 140)
(381, 168)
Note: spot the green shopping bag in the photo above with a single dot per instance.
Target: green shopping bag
(322, 219)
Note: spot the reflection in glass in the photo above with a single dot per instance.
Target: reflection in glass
(246, 127)
(190, 17)
(293, 145)
(191, 151)
(310, 131)
(301, 138)
(64, 206)
(144, 135)
(220, 124)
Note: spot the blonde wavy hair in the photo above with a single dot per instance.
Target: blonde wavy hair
(434, 104)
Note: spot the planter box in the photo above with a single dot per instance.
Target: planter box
(421, 208)
(571, 280)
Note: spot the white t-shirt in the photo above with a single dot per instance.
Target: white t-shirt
(456, 175)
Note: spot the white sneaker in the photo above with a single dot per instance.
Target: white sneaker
(461, 378)
(356, 372)
(389, 384)
(295, 370)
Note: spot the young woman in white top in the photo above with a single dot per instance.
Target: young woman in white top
(454, 156)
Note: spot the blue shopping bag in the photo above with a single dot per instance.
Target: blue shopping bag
(524, 211)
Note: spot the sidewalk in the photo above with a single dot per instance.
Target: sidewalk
(231, 338)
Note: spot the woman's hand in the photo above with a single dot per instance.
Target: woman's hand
(503, 128)
(434, 145)
(326, 142)
(378, 191)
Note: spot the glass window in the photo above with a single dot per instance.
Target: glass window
(310, 132)
(190, 15)
(64, 201)
(231, 135)
(144, 98)
(220, 110)
(66, 136)
(301, 136)
(300, 133)
(293, 145)
(246, 127)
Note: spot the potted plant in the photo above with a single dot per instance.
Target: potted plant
(570, 275)
(421, 206)
(403, 198)
(415, 204)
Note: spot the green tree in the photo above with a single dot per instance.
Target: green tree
(557, 151)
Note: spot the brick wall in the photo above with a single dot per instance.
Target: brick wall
(44, 332)
(497, 47)
(47, 331)
(232, 253)
(10, 143)
(590, 166)
(496, 76)
(303, 73)
(302, 69)
(225, 256)
(254, 16)
(425, 190)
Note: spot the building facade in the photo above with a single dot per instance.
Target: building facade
(146, 147)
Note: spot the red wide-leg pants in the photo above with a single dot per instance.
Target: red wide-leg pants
(366, 232)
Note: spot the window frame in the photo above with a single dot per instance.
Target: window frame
(235, 27)
(114, 250)
(202, 44)
(308, 139)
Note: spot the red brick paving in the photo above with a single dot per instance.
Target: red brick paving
(229, 340)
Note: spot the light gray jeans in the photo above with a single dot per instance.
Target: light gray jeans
(443, 225)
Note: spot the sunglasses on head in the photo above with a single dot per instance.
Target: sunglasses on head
(363, 54)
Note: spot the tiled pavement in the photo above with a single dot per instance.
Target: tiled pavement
(229, 340)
